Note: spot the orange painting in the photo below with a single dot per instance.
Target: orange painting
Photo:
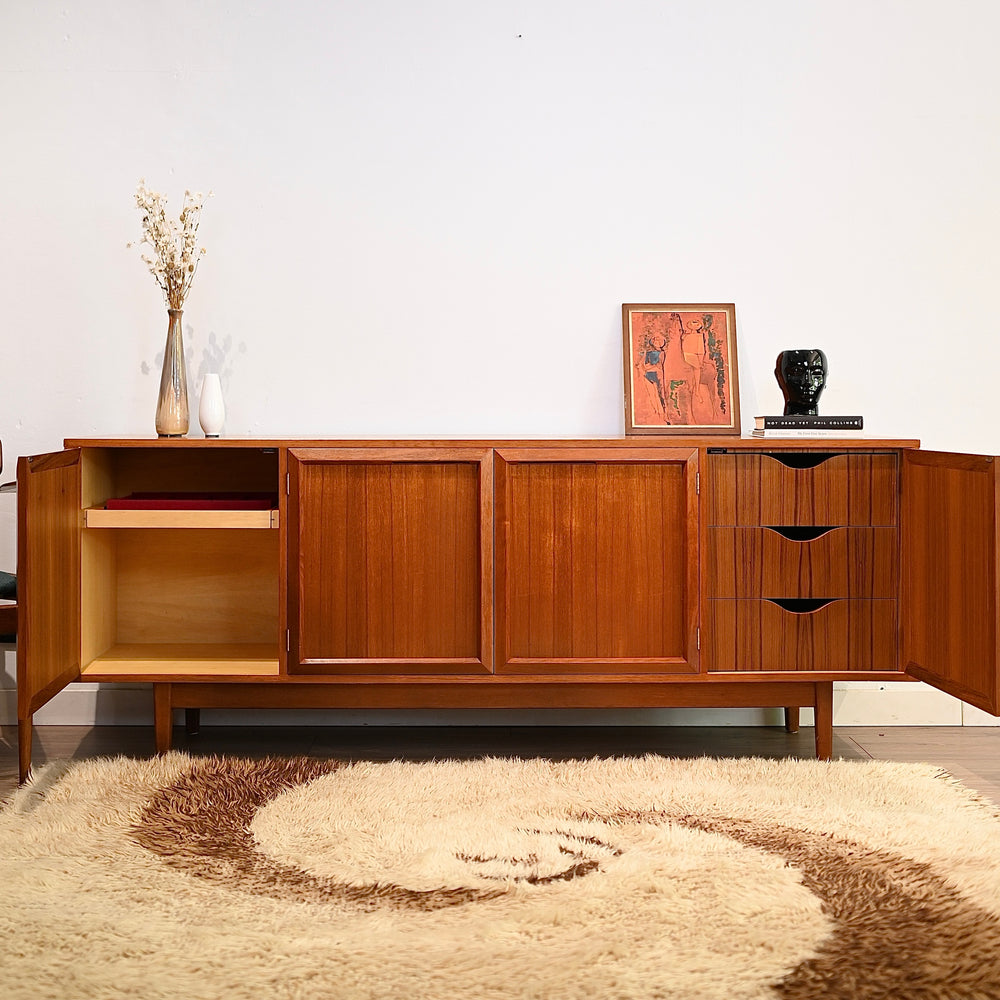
(680, 369)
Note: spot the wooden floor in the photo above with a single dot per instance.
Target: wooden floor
(971, 754)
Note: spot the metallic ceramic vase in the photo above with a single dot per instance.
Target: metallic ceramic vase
(172, 414)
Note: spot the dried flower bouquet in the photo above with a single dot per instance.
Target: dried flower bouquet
(176, 253)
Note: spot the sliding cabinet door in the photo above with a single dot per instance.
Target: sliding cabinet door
(597, 560)
(390, 560)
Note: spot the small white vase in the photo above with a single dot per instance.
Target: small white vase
(212, 410)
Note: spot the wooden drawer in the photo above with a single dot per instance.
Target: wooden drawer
(801, 562)
(764, 635)
(802, 488)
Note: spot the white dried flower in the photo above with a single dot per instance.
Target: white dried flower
(175, 248)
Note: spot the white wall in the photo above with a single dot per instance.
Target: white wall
(427, 213)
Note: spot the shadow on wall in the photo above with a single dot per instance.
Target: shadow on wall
(217, 356)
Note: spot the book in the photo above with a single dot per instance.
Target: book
(806, 421)
(803, 432)
(193, 501)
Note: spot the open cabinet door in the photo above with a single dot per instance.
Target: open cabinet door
(950, 600)
(48, 581)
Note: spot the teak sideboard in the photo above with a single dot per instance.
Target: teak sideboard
(508, 574)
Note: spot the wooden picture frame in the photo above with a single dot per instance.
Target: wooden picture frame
(680, 368)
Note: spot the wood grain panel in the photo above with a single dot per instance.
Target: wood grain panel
(375, 539)
(582, 509)
(540, 577)
(874, 489)
(597, 565)
(347, 510)
(950, 596)
(816, 495)
(720, 488)
(391, 563)
(746, 635)
(48, 571)
(761, 562)
(763, 489)
(873, 635)
(749, 489)
(513, 549)
(873, 555)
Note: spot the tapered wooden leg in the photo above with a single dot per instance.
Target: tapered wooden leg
(792, 719)
(192, 721)
(163, 717)
(824, 720)
(24, 731)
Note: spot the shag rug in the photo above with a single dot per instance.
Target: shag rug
(620, 879)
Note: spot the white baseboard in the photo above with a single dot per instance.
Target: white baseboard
(972, 716)
(893, 703)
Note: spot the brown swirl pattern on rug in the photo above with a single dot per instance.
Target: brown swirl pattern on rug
(901, 930)
(201, 824)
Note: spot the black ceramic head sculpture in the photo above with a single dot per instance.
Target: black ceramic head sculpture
(802, 376)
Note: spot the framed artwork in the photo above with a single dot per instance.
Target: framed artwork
(680, 369)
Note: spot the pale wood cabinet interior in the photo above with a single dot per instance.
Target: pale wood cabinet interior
(508, 574)
(196, 591)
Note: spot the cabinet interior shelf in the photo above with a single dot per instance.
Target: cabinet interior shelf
(186, 659)
(98, 517)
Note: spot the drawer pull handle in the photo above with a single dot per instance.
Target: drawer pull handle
(802, 459)
(797, 533)
(801, 605)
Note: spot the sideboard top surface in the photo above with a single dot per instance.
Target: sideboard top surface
(644, 442)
